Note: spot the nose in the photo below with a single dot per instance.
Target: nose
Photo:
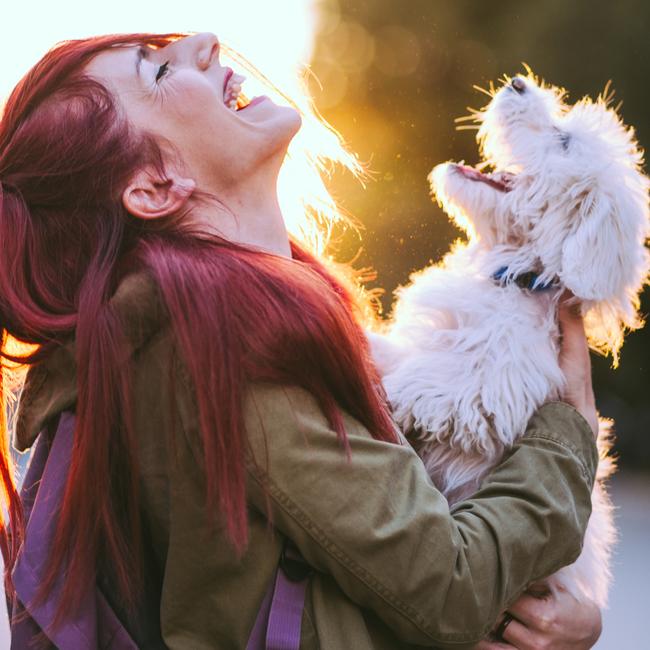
(199, 49)
(518, 84)
(208, 48)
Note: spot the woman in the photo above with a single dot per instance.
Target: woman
(220, 382)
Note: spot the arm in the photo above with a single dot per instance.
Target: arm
(379, 527)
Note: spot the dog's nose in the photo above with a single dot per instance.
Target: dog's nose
(518, 84)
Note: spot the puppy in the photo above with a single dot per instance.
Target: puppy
(471, 350)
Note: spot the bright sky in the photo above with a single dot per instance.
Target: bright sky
(276, 35)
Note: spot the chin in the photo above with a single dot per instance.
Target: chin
(281, 127)
(294, 119)
(288, 122)
(282, 121)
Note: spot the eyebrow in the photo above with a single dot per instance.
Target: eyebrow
(141, 53)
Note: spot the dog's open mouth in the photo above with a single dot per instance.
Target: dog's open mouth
(501, 181)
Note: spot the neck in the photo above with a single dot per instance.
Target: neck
(249, 213)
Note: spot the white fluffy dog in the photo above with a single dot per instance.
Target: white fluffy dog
(471, 350)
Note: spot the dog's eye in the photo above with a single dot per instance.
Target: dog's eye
(565, 138)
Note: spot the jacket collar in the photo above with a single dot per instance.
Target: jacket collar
(51, 386)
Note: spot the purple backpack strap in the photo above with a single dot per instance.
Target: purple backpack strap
(279, 620)
(95, 625)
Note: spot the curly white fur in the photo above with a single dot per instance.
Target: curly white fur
(466, 360)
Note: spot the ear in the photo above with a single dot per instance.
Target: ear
(149, 196)
(601, 258)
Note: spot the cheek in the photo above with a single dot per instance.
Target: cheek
(196, 117)
(187, 99)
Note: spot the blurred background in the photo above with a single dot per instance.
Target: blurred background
(394, 76)
(391, 77)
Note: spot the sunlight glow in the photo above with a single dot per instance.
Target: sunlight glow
(276, 37)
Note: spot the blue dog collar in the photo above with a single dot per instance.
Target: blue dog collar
(524, 281)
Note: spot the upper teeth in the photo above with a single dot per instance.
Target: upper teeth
(232, 90)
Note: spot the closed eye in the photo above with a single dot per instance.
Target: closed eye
(162, 70)
(565, 139)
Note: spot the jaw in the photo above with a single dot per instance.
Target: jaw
(470, 197)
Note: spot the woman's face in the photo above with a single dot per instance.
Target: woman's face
(180, 92)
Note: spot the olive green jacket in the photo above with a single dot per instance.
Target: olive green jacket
(394, 567)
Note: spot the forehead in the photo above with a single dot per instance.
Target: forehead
(117, 68)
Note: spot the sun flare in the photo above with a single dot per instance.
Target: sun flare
(277, 38)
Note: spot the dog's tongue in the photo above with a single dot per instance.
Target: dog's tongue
(497, 181)
(471, 173)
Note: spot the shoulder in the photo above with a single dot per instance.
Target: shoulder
(50, 386)
(139, 305)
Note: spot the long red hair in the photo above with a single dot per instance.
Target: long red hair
(238, 315)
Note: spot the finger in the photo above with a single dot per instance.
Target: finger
(571, 321)
(520, 636)
(529, 610)
(543, 589)
(569, 304)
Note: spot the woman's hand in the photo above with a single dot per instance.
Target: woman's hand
(575, 362)
(544, 619)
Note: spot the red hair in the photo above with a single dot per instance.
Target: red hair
(65, 153)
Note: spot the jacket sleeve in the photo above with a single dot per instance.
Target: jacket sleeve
(374, 521)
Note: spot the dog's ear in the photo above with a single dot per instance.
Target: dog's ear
(604, 256)
(605, 262)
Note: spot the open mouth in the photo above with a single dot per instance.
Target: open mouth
(501, 181)
(233, 97)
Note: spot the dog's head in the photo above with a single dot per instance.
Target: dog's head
(577, 200)
(518, 128)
